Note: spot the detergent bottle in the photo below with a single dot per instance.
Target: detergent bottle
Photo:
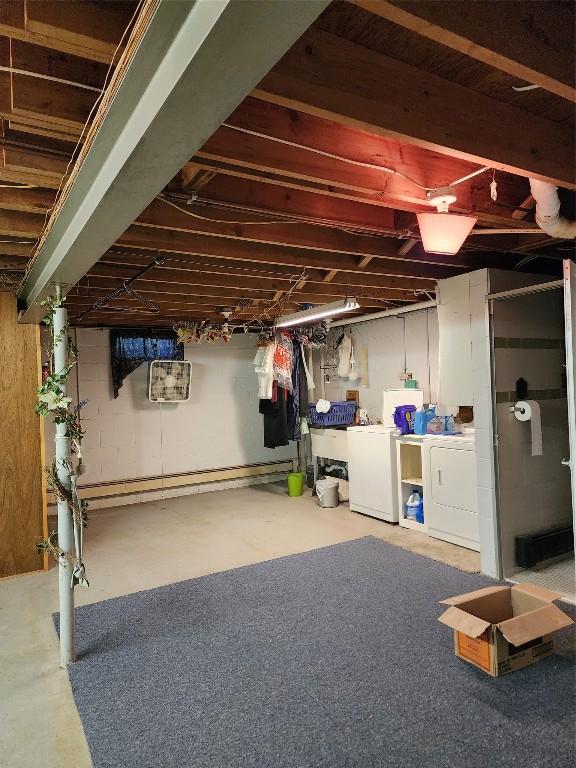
(420, 421)
(413, 506)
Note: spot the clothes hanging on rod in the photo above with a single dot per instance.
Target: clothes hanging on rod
(264, 368)
(275, 418)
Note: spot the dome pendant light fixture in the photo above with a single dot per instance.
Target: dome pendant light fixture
(444, 232)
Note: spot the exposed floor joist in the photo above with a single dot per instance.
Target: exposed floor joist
(188, 73)
(524, 45)
(330, 77)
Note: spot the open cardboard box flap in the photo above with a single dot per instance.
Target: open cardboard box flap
(528, 626)
(540, 592)
(464, 622)
(459, 599)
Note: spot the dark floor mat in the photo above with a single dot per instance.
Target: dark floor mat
(329, 659)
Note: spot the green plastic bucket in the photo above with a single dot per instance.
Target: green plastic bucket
(295, 483)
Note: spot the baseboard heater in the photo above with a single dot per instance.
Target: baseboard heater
(534, 547)
(146, 484)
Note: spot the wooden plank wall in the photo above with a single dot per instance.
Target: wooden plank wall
(22, 495)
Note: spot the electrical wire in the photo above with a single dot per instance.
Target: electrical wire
(289, 220)
(349, 160)
(164, 199)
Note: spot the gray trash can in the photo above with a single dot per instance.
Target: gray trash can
(327, 492)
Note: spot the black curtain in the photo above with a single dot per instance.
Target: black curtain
(130, 348)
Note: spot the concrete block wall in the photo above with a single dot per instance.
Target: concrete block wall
(131, 438)
(391, 343)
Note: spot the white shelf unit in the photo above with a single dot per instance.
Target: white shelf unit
(409, 465)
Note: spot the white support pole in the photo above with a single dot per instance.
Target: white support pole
(65, 527)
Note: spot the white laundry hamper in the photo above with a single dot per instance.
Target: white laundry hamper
(327, 492)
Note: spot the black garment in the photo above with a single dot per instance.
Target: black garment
(294, 397)
(298, 400)
(275, 420)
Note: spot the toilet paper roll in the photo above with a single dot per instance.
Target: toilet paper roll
(529, 410)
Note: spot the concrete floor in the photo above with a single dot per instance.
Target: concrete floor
(138, 547)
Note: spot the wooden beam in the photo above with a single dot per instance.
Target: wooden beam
(22, 166)
(524, 208)
(12, 262)
(194, 177)
(211, 219)
(407, 246)
(333, 78)
(9, 248)
(273, 197)
(188, 71)
(20, 224)
(363, 263)
(238, 250)
(330, 275)
(222, 276)
(533, 42)
(233, 151)
(31, 200)
(167, 300)
(87, 29)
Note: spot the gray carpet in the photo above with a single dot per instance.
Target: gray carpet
(329, 659)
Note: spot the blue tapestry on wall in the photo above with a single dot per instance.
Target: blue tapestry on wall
(130, 348)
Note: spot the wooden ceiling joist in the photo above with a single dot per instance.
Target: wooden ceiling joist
(316, 293)
(338, 80)
(87, 29)
(274, 198)
(209, 219)
(224, 277)
(30, 200)
(523, 42)
(258, 140)
(188, 71)
(167, 241)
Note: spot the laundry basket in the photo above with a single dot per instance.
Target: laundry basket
(341, 414)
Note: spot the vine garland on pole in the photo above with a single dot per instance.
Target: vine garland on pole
(52, 402)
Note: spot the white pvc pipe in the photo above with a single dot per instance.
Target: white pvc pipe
(548, 215)
(65, 527)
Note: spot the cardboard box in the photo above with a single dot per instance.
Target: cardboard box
(502, 629)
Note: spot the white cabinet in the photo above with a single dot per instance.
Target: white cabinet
(457, 317)
(372, 472)
(450, 507)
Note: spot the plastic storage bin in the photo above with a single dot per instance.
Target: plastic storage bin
(340, 414)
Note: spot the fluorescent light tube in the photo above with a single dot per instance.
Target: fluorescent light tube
(306, 316)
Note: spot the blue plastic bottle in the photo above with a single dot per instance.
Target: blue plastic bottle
(420, 421)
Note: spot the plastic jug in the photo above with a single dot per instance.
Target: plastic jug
(413, 506)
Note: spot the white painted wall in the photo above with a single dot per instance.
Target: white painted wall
(130, 437)
(392, 343)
